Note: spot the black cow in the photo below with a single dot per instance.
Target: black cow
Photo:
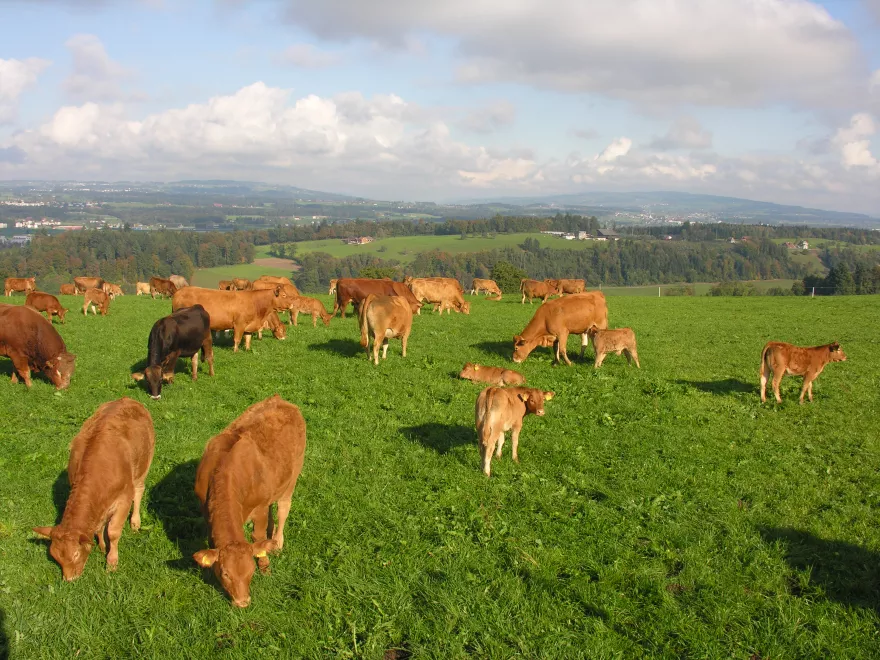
(180, 334)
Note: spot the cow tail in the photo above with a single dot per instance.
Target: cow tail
(764, 369)
(365, 303)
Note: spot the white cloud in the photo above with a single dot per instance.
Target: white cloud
(95, 77)
(15, 77)
(854, 142)
(307, 56)
(619, 147)
(490, 117)
(685, 133)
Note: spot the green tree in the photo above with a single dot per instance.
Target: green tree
(507, 276)
(841, 280)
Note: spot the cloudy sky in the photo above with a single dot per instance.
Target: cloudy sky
(777, 100)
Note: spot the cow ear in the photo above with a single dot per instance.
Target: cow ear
(206, 558)
(85, 539)
(549, 395)
(138, 376)
(44, 532)
(834, 347)
(262, 548)
(523, 396)
(517, 339)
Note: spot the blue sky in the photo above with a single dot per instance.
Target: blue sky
(767, 99)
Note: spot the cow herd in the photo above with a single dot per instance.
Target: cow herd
(256, 461)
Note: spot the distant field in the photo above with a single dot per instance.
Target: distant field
(209, 277)
(700, 288)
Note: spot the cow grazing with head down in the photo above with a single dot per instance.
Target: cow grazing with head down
(273, 323)
(311, 306)
(479, 373)
(535, 289)
(443, 292)
(68, 290)
(46, 302)
(779, 358)
(556, 320)
(384, 318)
(142, 288)
(226, 285)
(32, 343)
(620, 340)
(181, 334)
(252, 463)
(22, 284)
(161, 287)
(499, 410)
(485, 286)
(95, 298)
(108, 465)
(83, 283)
(355, 290)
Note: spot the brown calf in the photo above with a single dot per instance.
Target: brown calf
(311, 306)
(384, 317)
(46, 302)
(162, 287)
(332, 290)
(242, 284)
(112, 290)
(620, 340)
(68, 290)
(485, 286)
(780, 358)
(572, 286)
(499, 410)
(252, 463)
(23, 284)
(273, 323)
(535, 289)
(96, 298)
(109, 461)
(479, 373)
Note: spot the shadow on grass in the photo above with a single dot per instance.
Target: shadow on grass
(721, 387)
(173, 501)
(503, 349)
(343, 347)
(440, 437)
(846, 573)
(60, 493)
(4, 638)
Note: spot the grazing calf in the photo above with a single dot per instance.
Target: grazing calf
(620, 340)
(109, 461)
(273, 323)
(46, 302)
(181, 334)
(143, 288)
(499, 410)
(310, 306)
(485, 286)
(32, 343)
(252, 463)
(780, 358)
(493, 375)
(162, 287)
(23, 284)
(96, 298)
(68, 290)
(384, 317)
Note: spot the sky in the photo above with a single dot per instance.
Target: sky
(775, 100)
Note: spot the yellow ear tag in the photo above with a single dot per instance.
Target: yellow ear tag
(260, 554)
(476, 367)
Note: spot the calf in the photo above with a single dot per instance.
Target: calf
(384, 317)
(181, 334)
(780, 358)
(493, 375)
(499, 410)
(96, 298)
(620, 340)
(68, 290)
(143, 288)
(162, 287)
(33, 344)
(46, 302)
(310, 306)
(109, 461)
(485, 286)
(535, 289)
(332, 290)
(272, 322)
(572, 286)
(83, 283)
(252, 463)
(112, 290)
(23, 284)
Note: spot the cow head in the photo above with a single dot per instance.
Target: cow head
(325, 317)
(61, 312)
(469, 370)
(522, 347)
(154, 377)
(69, 549)
(534, 400)
(60, 369)
(593, 330)
(837, 354)
(234, 567)
(465, 307)
(281, 299)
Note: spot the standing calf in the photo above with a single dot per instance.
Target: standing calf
(109, 461)
(46, 302)
(781, 358)
(96, 298)
(621, 340)
(499, 410)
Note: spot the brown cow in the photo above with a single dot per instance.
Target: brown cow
(619, 340)
(23, 284)
(68, 290)
(96, 298)
(499, 410)
(274, 279)
(262, 285)
(226, 285)
(83, 283)
(486, 286)
(162, 286)
(112, 290)
(385, 317)
(242, 284)
(332, 287)
(32, 343)
(273, 323)
(143, 288)
(242, 311)
(252, 463)
(355, 290)
(479, 373)
(443, 292)
(559, 318)
(179, 281)
(311, 306)
(535, 289)
(572, 286)
(108, 465)
(46, 302)
(780, 358)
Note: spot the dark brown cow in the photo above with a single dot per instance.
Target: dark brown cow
(244, 312)
(95, 298)
(357, 289)
(310, 306)
(442, 292)
(226, 285)
(68, 290)
(572, 286)
(46, 302)
(32, 343)
(254, 462)
(242, 284)
(479, 373)
(559, 318)
(535, 289)
(108, 465)
(485, 286)
(384, 318)
(619, 340)
(780, 358)
(162, 287)
(22, 284)
(83, 283)
(499, 410)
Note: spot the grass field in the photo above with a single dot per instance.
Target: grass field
(209, 277)
(660, 512)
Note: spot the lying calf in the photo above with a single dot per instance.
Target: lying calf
(493, 375)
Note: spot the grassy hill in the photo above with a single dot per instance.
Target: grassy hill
(660, 512)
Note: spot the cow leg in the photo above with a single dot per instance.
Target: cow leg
(600, 358)
(810, 391)
(195, 366)
(635, 357)
(561, 347)
(247, 341)
(260, 517)
(487, 446)
(376, 342)
(236, 337)
(208, 354)
(295, 316)
(283, 512)
(314, 319)
(403, 341)
(523, 301)
(585, 340)
(20, 365)
(777, 379)
(135, 522)
(385, 343)
(499, 444)
(514, 441)
(114, 530)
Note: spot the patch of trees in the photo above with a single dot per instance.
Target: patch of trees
(841, 281)
(696, 232)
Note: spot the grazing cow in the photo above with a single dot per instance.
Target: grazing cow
(109, 461)
(485, 286)
(112, 290)
(310, 306)
(273, 279)
(332, 290)
(572, 286)
(68, 290)
(23, 284)
(226, 285)
(620, 340)
(355, 290)
(181, 334)
(96, 298)
(263, 285)
(179, 281)
(143, 288)
(242, 284)
(499, 410)
(479, 373)
(780, 358)
(442, 292)
(241, 311)
(384, 317)
(162, 286)
(32, 343)
(557, 319)
(535, 289)
(273, 323)
(83, 283)
(252, 463)
(46, 302)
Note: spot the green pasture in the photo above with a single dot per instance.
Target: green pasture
(209, 277)
(655, 513)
